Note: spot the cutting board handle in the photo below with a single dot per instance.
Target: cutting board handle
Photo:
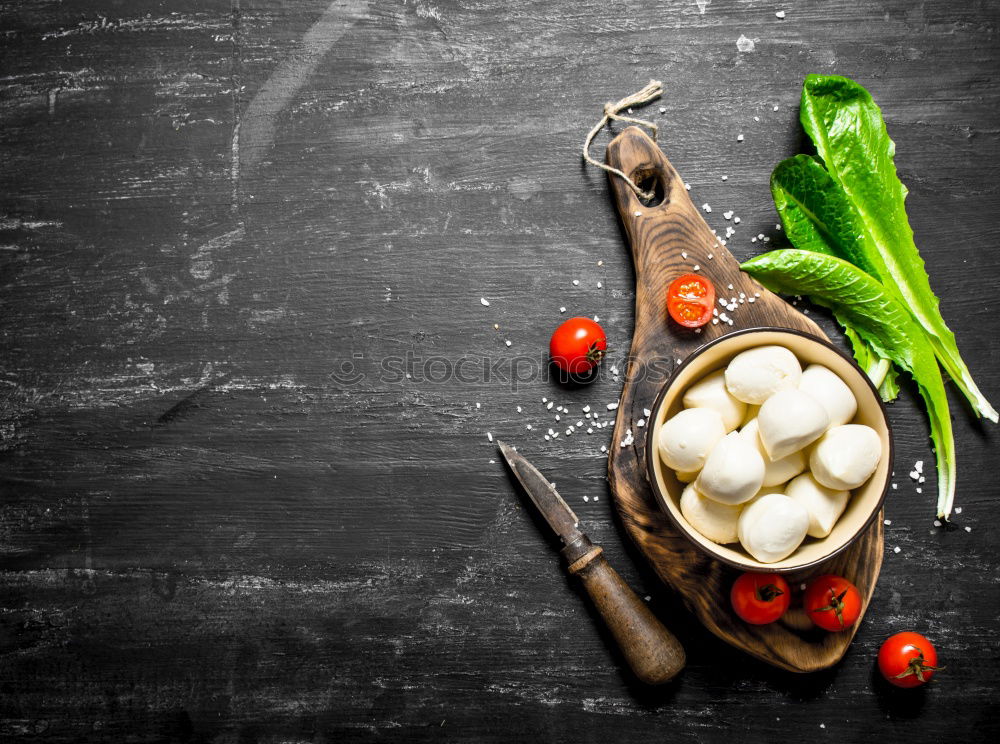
(653, 652)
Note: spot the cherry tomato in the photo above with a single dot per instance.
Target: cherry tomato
(760, 598)
(832, 602)
(907, 659)
(690, 300)
(578, 345)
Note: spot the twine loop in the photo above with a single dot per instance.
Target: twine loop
(612, 112)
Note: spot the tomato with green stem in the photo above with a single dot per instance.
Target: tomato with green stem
(908, 659)
(578, 345)
(760, 599)
(832, 602)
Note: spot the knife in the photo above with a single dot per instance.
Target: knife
(653, 652)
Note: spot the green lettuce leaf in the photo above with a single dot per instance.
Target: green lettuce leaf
(817, 216)
(882, 322)
(850, 136)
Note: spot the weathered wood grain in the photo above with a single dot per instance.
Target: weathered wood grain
(667, 239)
(207, 535)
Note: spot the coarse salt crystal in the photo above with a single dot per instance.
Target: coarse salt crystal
(599, 285)
(586, 408)
(753, 240)
(715, 321)
(547, 437)
(489, 436)
(557, 417)
(562, 309)
(736, 220)
(600, 263)
(739, 137)
(628, 439)
(519, 409)
(696, 267)
(596, 319)
(968, 529)
(775, 108)
(937, 522)
(590, 430)
(646, 412)
(528, 427)
(896, 549)
(914, 474)
(612, 406)
(725, 178)
(548, 406)
(780, 14)
(958, 510)
(756, 118)
(706, 207)
(687, 186)
(728, 215)
(603, 448)
(920, 490)
(640, 423)
(486, 303)
(710, 256)
(586, 498)
(638, 213)
(576, 282)
(886, 522)
(894, 486)
(919, 466)
(663, 109)
(506, 342)
(684, 254)
(579, 423)
(752, 299)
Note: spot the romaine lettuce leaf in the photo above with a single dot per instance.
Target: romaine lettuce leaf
(878, 318)
(850, 136)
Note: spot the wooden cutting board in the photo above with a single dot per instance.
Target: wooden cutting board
(660, 237)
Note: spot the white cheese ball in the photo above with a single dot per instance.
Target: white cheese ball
(733, 471)
(686, 476)
(687, 438)
(788, 421)
(831, 392)
(846, 456)
(715, 521)
(776, 472)
(772, 527)
(710, 392)
(755, 375)
(825, 505)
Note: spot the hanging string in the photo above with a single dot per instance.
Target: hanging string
(612, 112)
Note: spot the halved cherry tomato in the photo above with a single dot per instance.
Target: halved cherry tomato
(832, 602)
(690, 300)
(760, 598)
(578, 345)
(907, 659)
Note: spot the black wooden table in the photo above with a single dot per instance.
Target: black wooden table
(246, 375)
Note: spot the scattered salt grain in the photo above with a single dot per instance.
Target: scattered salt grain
(528, 427)
(937, 522)
(547, 437)
(886, 522)
(506, 342)
(753, 240)
(603, 448)
(710, 256)
(914, 474)
(640, 423)
(684, 254)
(728, 215)
(548, 406)
(612, 406)
(696, 267)
(486, 303)
(715, 321)
(968, 529)
(739, 137)
(576, 282)
(596, 319)
(687, 186)
(780, 15)
(638, 213)
(590, 430)
(756, 118)
(897, 549)
(919, 466)
(557, 417)
(586, 498)
(958, 510)
(600, 263)
(579, 423)
(646, 412)
(629, 439)
(489, 436)
(663, 109)
(736, 220)
(775, 108)
(496, 326)
(706, 207)
(586, 408)
(562, 309)
(599, 285)
(725, 178)
(920, 490)
(894, 487)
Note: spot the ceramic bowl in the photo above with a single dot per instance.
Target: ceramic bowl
(866, 501)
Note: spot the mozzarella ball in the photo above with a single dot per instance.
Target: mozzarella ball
(788, 421)
(776, 472)
(831, 392)
(846, 456)
(755, 375)
(824, 505)
(733, 471)
(686, 476)
(710, 392)
(715, 521)
(687, 438)
(772, 527)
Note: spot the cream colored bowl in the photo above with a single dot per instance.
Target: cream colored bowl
(866, 501)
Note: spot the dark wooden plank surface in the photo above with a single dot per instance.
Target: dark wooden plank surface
(212, 211)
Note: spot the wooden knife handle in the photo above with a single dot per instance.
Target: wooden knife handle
(653, 652)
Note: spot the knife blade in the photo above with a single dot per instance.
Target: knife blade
(543, 494)
(653, 652)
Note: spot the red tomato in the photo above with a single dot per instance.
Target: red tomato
(578, 345)
(907, 659)
(690, 300)
(832, 602)
(760, 598)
